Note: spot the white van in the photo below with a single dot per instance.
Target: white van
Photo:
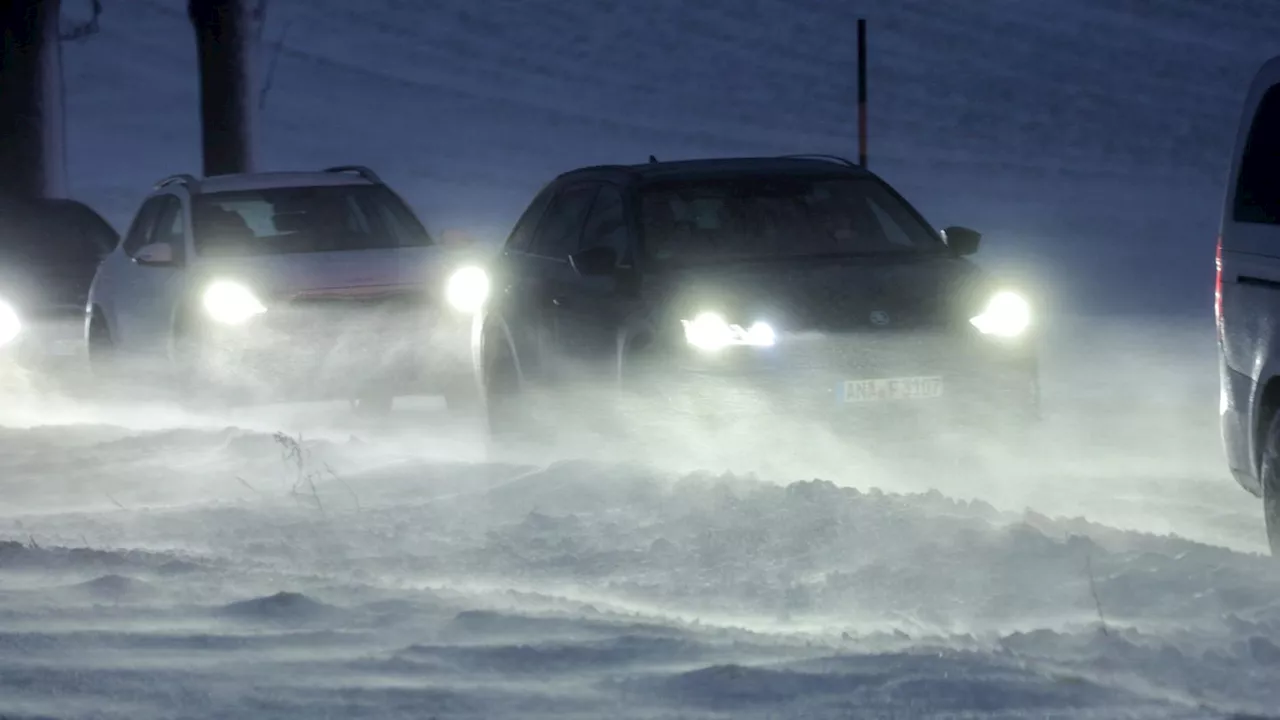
(1247, 300)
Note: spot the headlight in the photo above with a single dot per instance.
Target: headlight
(710, 331)
(231, 303)
(1007, 315)
(467, 289)
(10, 323)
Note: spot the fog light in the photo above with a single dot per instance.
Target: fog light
(710, 331)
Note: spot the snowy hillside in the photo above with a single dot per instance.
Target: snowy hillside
(1079, 133)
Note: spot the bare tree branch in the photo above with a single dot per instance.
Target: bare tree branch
(259, 17)
(86, 29)
(271, 68)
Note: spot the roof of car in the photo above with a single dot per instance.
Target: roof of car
(268, 180)
(655, 170)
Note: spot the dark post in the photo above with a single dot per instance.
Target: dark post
(224, 42)
(31, 120)
(862, 92)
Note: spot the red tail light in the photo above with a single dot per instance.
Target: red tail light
(1217, 287)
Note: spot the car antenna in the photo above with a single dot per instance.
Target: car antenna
(652, 159)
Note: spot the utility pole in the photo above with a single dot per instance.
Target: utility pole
(862, 92)
(224, 44)
(32, 147)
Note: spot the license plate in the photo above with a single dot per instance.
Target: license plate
(887, 389)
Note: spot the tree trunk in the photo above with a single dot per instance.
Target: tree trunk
(224, 46)
(32, 129)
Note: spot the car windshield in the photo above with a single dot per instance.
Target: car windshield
(54, 233)
(765, 217)
(277, 221)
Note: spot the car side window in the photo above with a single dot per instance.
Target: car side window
(522, 235)
(171, 226)
(889, 227)
(559, 232)
(1258, 186)
(607, 224)
(143, 223)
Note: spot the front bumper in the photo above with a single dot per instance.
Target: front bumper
(859, 382)
(337, 351)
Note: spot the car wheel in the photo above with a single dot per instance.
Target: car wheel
(506, 407)
(1270, 477)
(196, 384)
(102, 350)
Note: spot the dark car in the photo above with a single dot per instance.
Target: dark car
(805, 280)
(49, 251)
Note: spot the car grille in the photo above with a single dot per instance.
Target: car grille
(354, 310)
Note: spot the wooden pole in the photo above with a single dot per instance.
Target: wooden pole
(862, 92)
(224, 44)
(32, 148)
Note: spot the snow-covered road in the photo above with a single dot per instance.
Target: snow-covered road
(159, 565)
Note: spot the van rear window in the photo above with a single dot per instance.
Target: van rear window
(1258, 185)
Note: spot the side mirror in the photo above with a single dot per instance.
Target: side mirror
(961, 239)
(595, 261)
(154, 255)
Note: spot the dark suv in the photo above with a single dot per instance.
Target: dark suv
(805, 280)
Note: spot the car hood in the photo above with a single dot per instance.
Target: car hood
(317, 274)
(829, 295)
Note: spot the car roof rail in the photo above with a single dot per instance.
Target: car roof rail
(823, 156)
(185, 178)
(360, 170)
(597, 168)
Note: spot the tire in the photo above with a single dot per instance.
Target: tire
(105, 376)
(103, 362)
(196, 382)
(506, 407)
(1269, 475)
(194, 387)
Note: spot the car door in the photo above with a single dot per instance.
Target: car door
(150, 288)
(113, 285)
(512, 307)
(593, 309)
(548, 273)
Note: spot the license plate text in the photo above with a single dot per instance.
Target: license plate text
(888, 389)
